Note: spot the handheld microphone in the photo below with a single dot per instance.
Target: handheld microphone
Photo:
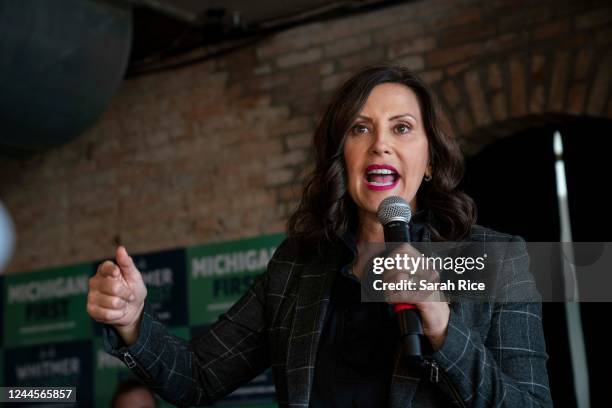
(394, 214)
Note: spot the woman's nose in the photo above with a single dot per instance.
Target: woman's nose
(380, 143)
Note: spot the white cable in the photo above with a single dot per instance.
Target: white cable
(570, 283)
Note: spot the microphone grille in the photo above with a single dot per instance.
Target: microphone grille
(394, 208)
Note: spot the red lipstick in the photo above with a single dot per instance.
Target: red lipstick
(380, 177)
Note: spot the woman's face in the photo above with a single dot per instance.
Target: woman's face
(386, 150)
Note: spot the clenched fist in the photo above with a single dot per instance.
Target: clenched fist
(116, 295)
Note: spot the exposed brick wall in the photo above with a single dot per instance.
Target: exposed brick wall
(217, 150)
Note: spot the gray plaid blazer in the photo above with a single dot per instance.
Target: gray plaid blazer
(494, 353)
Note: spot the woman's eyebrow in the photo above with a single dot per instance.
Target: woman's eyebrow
(391, 118)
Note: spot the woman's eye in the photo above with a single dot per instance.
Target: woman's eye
(359, 129)
(401, 128)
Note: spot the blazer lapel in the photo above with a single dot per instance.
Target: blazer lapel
(404, 383)
(314, 290)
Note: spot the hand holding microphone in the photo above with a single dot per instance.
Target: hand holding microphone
(116, 295)
(420, 318)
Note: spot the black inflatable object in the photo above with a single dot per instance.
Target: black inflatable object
(60, 63)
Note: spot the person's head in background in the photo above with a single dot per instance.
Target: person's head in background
(383, 114)
(132, 393)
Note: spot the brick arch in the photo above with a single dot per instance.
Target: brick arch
(488, 100)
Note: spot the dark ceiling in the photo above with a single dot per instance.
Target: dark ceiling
(166, 30)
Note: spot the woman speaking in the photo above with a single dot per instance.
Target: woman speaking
(379, 137)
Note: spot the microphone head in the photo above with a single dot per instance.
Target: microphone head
(394, 208)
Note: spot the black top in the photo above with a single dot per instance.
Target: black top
(355, 358)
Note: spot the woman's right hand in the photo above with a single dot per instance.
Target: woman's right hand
(117, 294)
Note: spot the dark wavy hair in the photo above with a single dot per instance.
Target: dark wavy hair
(326, 209)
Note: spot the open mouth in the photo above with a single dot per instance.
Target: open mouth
(381, 176)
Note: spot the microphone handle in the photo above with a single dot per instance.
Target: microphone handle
(410, 325)
(396, 231)
(411, 332)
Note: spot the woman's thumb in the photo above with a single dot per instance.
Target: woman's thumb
(126, 263)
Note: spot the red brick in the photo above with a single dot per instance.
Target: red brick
(459, 68)
(262, 69)
(293, 125)
(576, 98)
(478, 104)
(450, 55)
(360, 59)
(334, 81)
(552, 29)
(433, 76)
(583, 64)
(558, 86)
(299, 140)
(506, 42)
(579, 40)
(279, 177)
(539, 67)
(293, 59)
(530, 15)
(496, 79)
(464, 122)
(397, 33)
(347, 46)
(599, 90)
(603, 37)
(467, 34)
(424, 10)
(413, 63)
(463, 16)
(411, 46)
(500, 112)
(446, 124)
(517, 87)
(281, 44)
(289, 193)
(306, 104)
(537, 100)
(451, 93)
(326, 68)
(289, 159)
(594, 18)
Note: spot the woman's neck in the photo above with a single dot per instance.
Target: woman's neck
(370, 229)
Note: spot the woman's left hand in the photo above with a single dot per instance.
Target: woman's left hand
(435, 317)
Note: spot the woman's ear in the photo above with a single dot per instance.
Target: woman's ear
(428, 173)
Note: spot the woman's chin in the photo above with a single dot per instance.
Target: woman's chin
(369, 200)
(374, 200)
(372, 204)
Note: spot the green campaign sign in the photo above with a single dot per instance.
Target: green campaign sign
(66, 364)
(218, 274)
(46, 306)
(47, 337)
